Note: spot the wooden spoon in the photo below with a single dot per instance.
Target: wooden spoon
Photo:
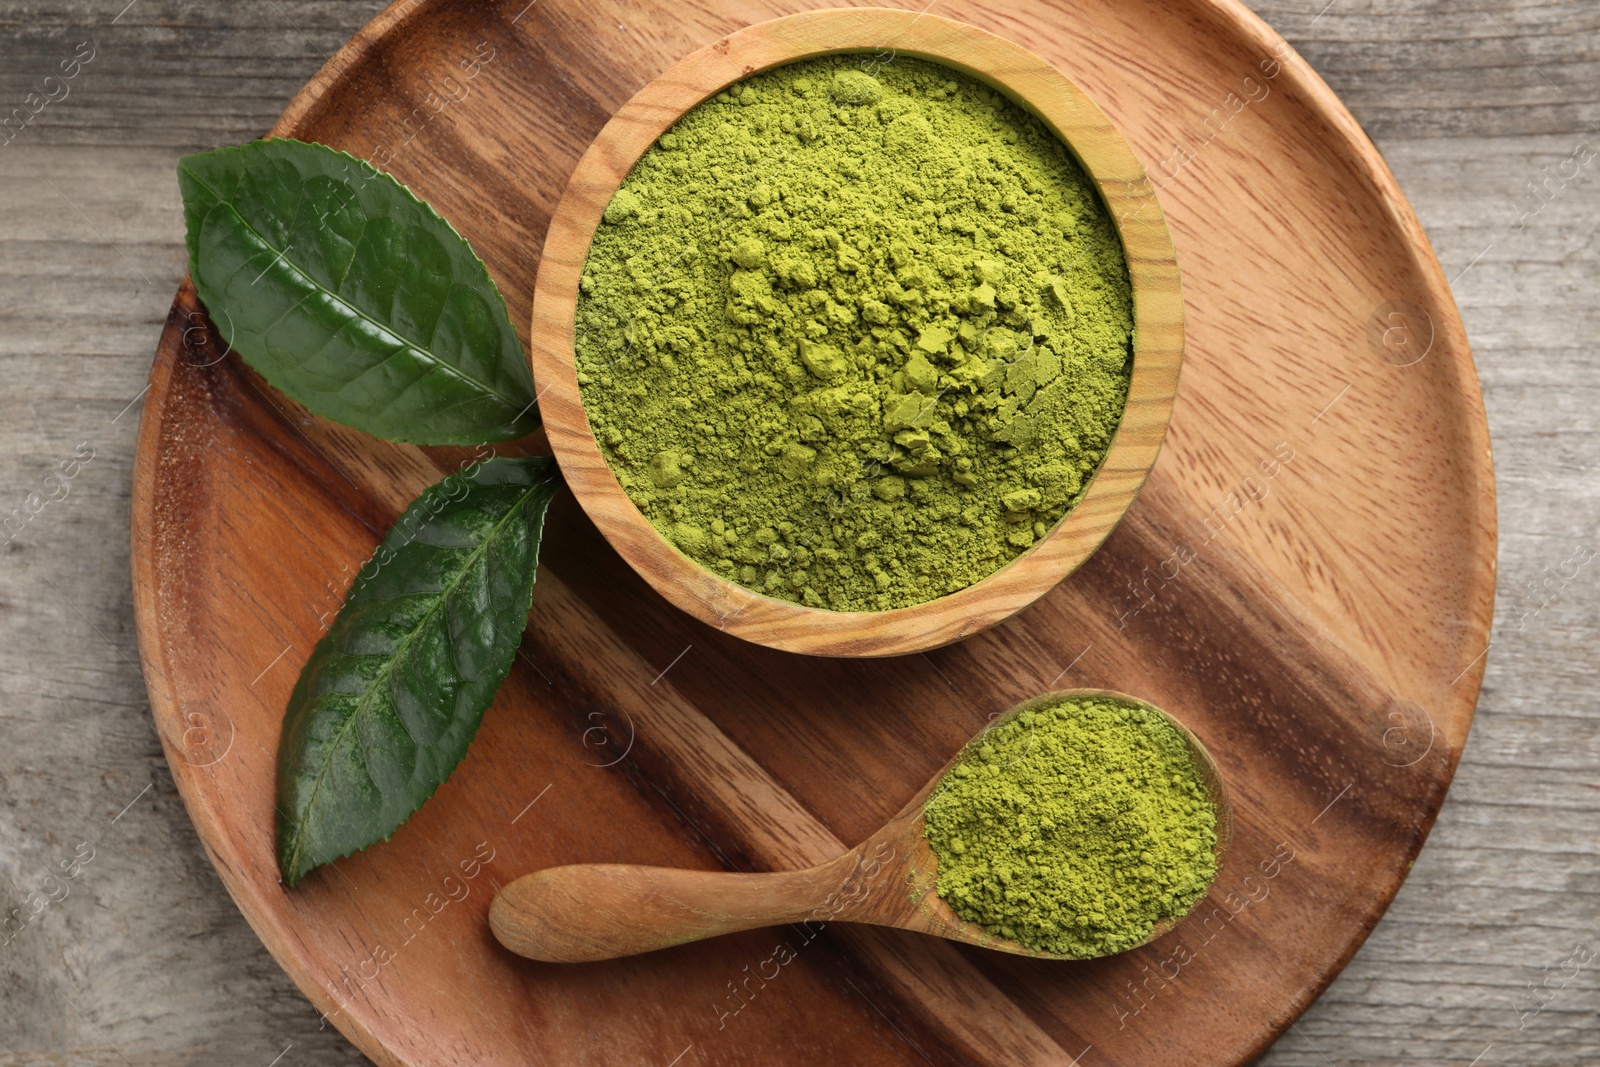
(599, 911)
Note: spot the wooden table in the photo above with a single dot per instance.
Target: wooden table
(1491, 953)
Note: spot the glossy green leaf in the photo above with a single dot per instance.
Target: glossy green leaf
(352, 296)
(393, 694)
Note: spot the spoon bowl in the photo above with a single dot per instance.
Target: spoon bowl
(586, 912)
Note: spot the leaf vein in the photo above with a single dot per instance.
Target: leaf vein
(355, 250)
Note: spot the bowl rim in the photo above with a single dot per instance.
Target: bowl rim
(1157, 337)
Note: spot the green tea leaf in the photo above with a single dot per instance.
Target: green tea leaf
(393, 694)
(351, 295)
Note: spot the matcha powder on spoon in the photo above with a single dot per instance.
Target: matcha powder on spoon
(855, 336)
(1074, 828)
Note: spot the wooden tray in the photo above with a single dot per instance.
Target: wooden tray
(1306, 581)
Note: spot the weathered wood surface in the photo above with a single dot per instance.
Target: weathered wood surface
(146, 961)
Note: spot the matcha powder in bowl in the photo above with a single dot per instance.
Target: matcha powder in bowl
(855, 334)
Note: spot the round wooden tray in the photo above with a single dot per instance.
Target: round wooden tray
(1306, 582)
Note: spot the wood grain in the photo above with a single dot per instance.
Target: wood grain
(1499, 893)
(1157, 332)
(1310, 660)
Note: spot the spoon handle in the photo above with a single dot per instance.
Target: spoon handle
(599, 911)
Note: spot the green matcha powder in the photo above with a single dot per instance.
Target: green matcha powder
(855, 336)
(1074, 828)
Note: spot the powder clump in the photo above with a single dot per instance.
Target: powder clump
(867, 327)
(1074, 828)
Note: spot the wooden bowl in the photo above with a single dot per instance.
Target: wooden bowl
(1157, 313)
